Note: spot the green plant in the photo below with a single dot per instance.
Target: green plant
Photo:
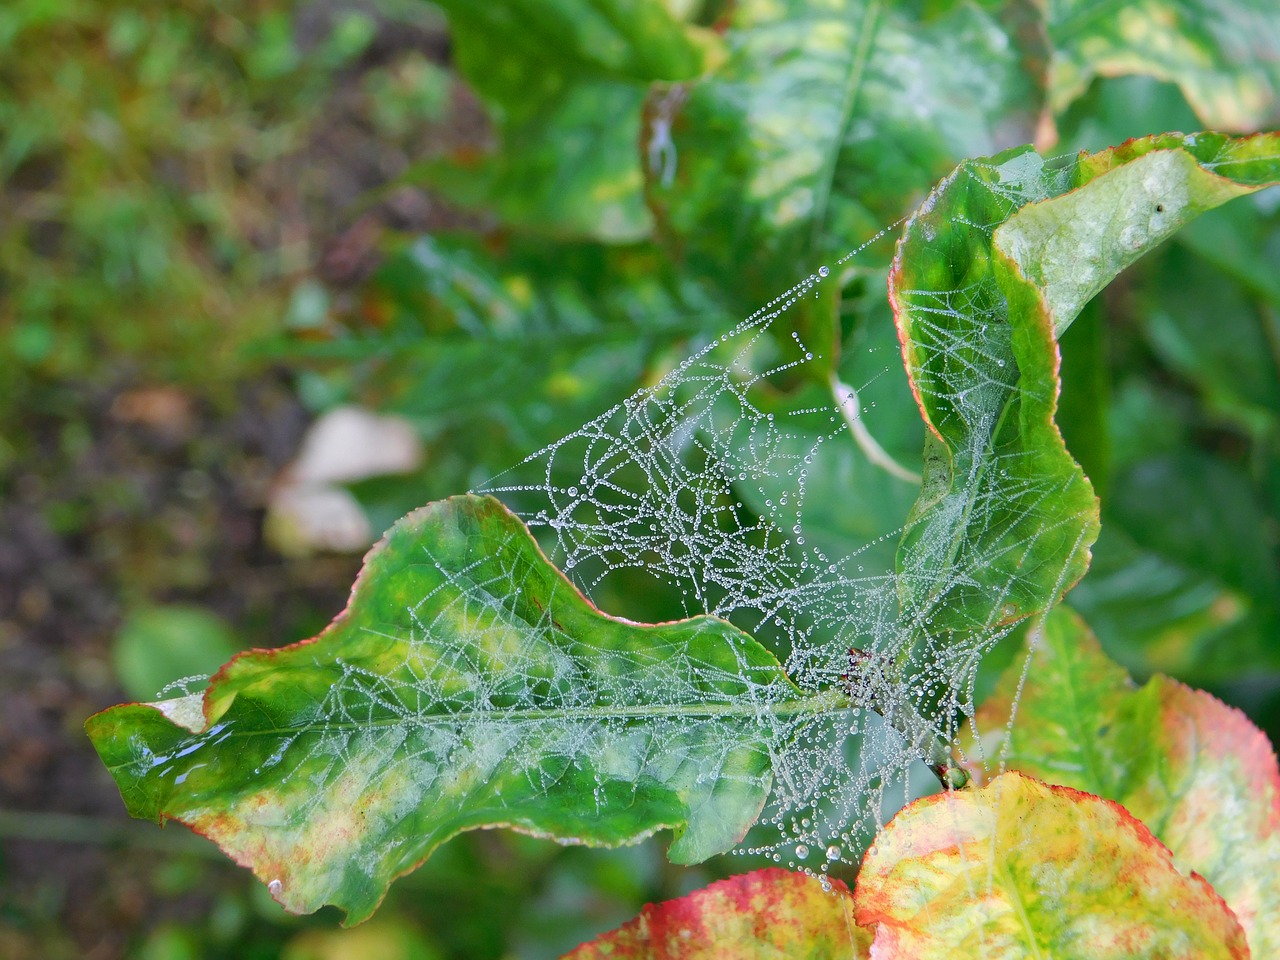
(475, 688)
(469, 685)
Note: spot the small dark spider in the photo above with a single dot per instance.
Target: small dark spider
(860, 662)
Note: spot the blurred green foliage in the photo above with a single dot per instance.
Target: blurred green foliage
(141, 151)
(162, 645)
(642, 181)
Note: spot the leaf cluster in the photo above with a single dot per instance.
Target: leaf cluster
(657, 175)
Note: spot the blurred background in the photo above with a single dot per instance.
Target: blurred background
(273, 273)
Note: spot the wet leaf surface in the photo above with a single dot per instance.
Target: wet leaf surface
(467, 685)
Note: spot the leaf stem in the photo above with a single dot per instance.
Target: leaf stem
(847, 400)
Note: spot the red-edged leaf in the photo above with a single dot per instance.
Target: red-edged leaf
(1195, 770)
(770, 913)
(1020, 869)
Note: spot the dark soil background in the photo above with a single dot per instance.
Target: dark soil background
(125, 482)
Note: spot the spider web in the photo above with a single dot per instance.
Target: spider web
(703, 483)
(681, 481)
(451, 685)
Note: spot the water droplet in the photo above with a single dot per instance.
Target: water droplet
(833, 852)
(573, 491)
(824, 271)
(802, 850)
(275, 887)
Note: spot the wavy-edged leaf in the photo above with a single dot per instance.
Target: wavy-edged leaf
(1224, 54)
(1196, 771)
(827, 119)
(1020, 868)
(1123, 201)
(467, 685)
(997, 262)
(765, 914)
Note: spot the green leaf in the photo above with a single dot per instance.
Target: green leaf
(766, 914)
(467, 685)
(570, 169)
(825, 122)
(1022, 869)
(565, 81)
(1196, 771)
(1153, 613)
(540, 41)
(998, 262)
(1122, 202)
(1224, 54)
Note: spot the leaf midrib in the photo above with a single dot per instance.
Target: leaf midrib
(826, 700)
(1014, 894)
